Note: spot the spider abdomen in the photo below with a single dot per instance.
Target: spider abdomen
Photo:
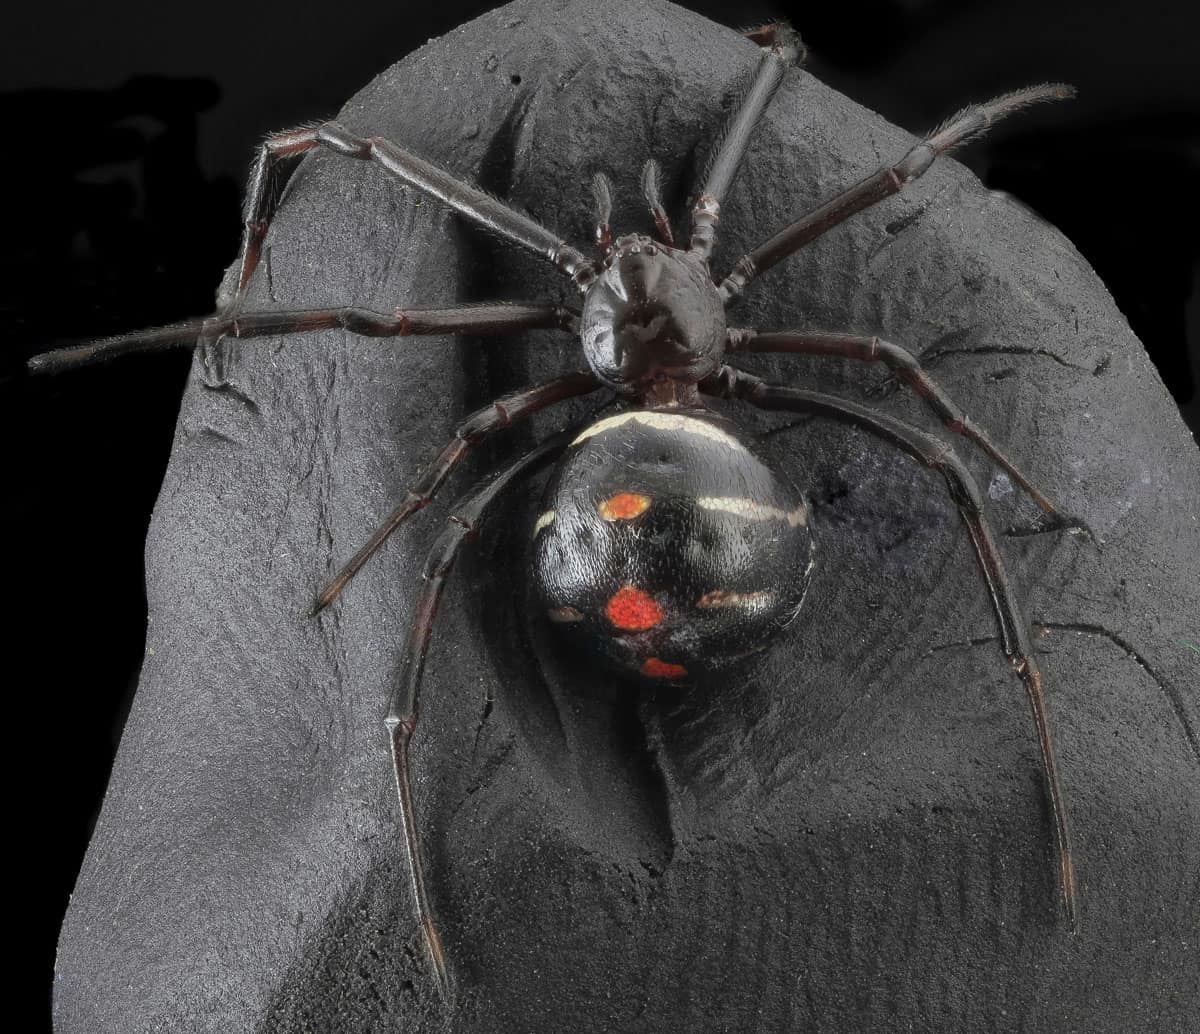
(668, 546)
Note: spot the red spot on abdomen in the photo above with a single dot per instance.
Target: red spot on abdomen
(633, 610)
(624, 506)
(656, 669)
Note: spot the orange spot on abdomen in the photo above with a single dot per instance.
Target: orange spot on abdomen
(656, 669)
(624, 506)
(632, 610)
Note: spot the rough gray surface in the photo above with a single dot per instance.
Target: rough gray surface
(850, 836)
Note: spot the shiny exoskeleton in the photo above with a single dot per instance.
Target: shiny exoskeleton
(668, 546)
(663, 542)
(652, 316)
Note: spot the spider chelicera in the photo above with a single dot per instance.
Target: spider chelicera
(663, 542)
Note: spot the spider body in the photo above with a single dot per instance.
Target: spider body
(663, 542)
(668, 546)
(653, 314)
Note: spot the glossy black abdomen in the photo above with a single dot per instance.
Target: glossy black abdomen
(668, 546)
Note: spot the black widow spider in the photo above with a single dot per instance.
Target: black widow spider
(663, 541)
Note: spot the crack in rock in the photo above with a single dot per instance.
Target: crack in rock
(1173, 696)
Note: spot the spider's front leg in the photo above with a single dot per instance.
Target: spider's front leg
(908, 369)
(967, 125)
(1014, 630)
(462, 525)
(458, 195)
(781, 48)
(497, 318)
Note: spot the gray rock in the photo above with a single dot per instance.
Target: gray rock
(849, 835)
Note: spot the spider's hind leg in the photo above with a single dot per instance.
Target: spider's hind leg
(1014, 631)
(462, 525)
(907, 368)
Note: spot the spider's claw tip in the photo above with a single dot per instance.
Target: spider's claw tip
(1071, 525)
(330, 593)
(1053, 522)
(1078, 526)
(1072, 914)
(438, 958)
(442, 980)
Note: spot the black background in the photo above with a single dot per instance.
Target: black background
(128, 131)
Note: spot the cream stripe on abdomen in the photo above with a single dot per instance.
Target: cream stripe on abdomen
(753, 511)
(661, 422)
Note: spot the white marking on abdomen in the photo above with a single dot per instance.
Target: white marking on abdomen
(753, 511)
(726, 598)
(661, 422)
(544, 521)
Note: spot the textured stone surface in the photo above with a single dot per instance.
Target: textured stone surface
(849, 835)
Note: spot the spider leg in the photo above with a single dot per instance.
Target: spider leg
(973, 121)
(464, 198)
(462, 525)
(475, 428)
(908, 369)
(781, 47)
(1014, 636)
(652, 192)
(499, 318)
(602, 193)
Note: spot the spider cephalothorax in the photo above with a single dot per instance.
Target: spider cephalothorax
(663, 541)
(652, 314)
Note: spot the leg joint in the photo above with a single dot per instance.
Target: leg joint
(341, 140)
(480, 424)
(370, 324)
(913, 164)
(728, 382)
(287, 144)
(566, 318)
(737, 339)
(896, 356)
(401, 726)
(963, 488)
